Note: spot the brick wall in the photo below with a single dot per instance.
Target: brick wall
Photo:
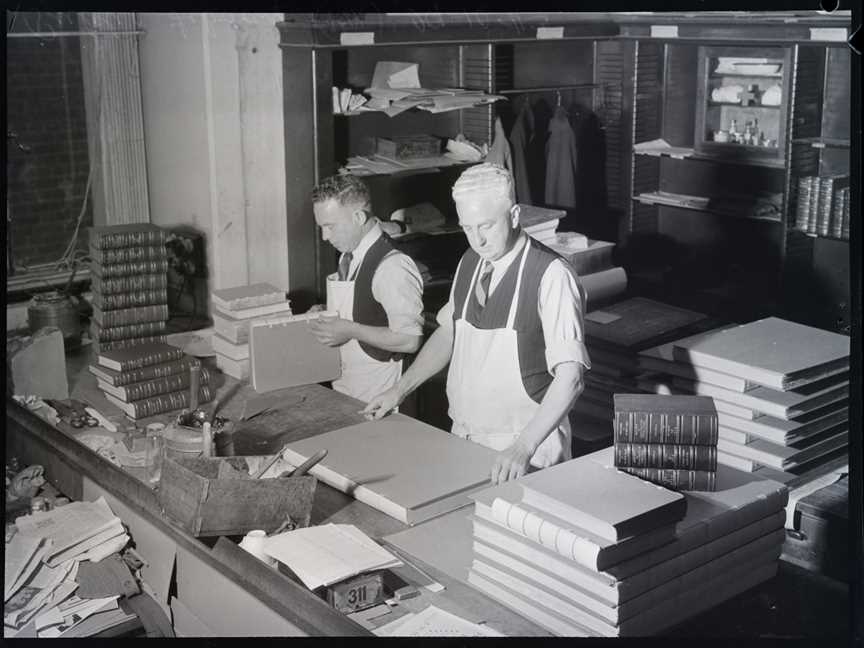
(45, 108)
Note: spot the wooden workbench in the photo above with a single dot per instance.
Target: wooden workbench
(230, 593)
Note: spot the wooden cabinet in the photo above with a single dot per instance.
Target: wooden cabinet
(719, 214)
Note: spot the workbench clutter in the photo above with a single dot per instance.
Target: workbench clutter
(129, 265)
(64, 573)
(233, 311)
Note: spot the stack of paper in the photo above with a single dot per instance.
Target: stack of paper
(546, 558)
(42, 564)
(233, 311)
(328, 554)
(614, 335)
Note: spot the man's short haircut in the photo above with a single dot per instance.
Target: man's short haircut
(346, 189)
(484, 179)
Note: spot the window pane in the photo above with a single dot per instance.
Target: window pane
(46, 141)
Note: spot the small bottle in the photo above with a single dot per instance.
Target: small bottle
(761, 138)
(733, 131)
(748, 134)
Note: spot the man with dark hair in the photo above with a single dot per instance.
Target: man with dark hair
(512, 333)
(378, 291)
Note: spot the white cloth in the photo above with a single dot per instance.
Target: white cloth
(559, 304)
(398, 287)
(488, 401)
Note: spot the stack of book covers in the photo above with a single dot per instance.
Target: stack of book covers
(150, 379)
(233, 310)
(781, 390)
(129, 265)
(557, 549)
(668, 440)
(823, 206)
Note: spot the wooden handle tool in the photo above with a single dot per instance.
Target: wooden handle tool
(194, 386)
(269, 463)
(306, 466)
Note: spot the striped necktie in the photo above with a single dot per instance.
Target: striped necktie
(481, 289)
(344, 264)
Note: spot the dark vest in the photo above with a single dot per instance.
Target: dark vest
(529, 329)
(366, 309)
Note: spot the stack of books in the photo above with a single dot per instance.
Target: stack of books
(823, 206)
(668, 440)
(42, 578)
(129, 265)
(540, 223)
(614, 336)
(150, 379)
(557, 549)
(233, 310)
(781, 390)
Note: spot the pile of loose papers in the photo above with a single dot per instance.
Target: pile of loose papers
(42, 559)
(329, 553)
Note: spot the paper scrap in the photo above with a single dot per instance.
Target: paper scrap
(602, 317)
(435, 622)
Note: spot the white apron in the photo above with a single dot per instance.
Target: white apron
(488, 401)
(363, 377)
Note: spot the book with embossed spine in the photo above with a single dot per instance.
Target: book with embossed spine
(160, 404)
(140, 356)
(665, 455)
(108, 237)
(676, 478)
(672, 419)
(129, 284)
(151, 372)
(127, 316)
(113, 333)
(100, 346)
(128, 255)
(115, 270)
(149, 388)
(131, 299)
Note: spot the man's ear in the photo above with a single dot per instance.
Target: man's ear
(360, 216)
(515, 210)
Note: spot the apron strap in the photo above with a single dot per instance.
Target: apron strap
(511, 318)
(471, 286)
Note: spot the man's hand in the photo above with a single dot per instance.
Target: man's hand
(382, 404)
(511, 463)
(331, 331)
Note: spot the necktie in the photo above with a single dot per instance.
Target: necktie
(481, 289)
(344, 264)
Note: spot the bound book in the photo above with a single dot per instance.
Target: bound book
(125, 236)
(127, 316)
(224, 347)
(827, 186)
(130, 299)
(676, 478)
(837, 207)
(115, 270)
(129, 284)
(234, 330)
(243, 297)
(772, 352)
(128, 344)
(112, 333)
(846, 207)
(802, 208)
(149, 388)
(119, 378)
(580, 492)
(160, 404)
(813, 205)
(127, 255)
(141, 356)
(652, 418)
(282, 308)
(571, 542)
(666, 455)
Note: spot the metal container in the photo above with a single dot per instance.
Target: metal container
(56, 310)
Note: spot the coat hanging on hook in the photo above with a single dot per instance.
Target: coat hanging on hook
(561, 162)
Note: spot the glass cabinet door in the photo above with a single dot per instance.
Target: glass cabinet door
(742, 101)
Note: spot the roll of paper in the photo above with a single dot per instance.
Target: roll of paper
(601, 286)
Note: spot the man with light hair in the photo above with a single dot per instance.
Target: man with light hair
(377, 291)
(512, 332)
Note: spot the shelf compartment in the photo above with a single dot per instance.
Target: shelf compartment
(693, 154)
(697, 203)
(820, 236)
(729, 104)
(823, 142)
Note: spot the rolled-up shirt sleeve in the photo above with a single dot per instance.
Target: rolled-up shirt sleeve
(398, 287)
(561, 305)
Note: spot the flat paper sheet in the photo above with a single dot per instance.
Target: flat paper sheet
(71, 524)
(435, 622)
(602, 317)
